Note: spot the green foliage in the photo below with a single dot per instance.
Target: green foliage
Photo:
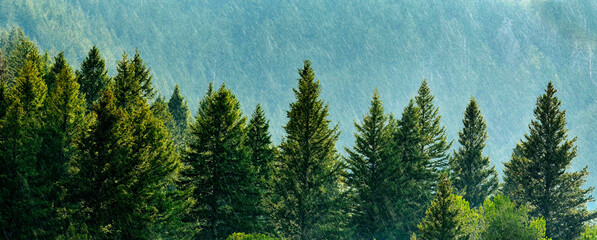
(92, 77)
(218, 171)
(442, 220)
(471, 173)
(502, 219)
(537, 173)
(435, 146)
(416, 174)
(244, 236)
(116, 184)
(74, 233)
(372, 175)
(308, 174)
(59, 65)
(590, 233)
(181, 115)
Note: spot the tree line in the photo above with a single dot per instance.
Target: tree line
(85, 155)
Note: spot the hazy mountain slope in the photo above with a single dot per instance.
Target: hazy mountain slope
(501, 52)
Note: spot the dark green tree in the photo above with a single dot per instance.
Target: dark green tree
(261, 156)
(22, 215)
(142, 76)
(538, 174)
(415, 184)
(372, 172)
(64, 122)
(127, 90)
(309, 170)
(471, 173)
(181, 115)
(117, 184)
(435, 145)
(59, 64)
(92, 77)
(441, 221)
(159, 108)
(217, 170)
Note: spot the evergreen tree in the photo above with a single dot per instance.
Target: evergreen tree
(127, 90)
(372, 174)
(19, 51)
(3, 68)
(142, 76)
(93, 76)
(470, 169)
(538, 175)
(416, 180)
(309, 171)
(180, 116)
(64, 123)
(117, 184)
(441, 221)
(59, 64)
(435, 145)
(261, 156)
(218, 171)
(159, 108)
(22, 215)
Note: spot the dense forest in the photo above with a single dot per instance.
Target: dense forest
(88, 155)
(503, 52)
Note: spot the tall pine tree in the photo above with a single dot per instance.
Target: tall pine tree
(117, 184)
(470, 169)
(414, 186)
(92, 77)
(177, 106)
(441, 221)
(217, 169)
(309, 170)
(435, 145)
(538, 175)
(59, 64)
(372, 175)
(127, 88)
(261, 156)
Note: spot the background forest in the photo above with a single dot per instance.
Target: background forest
(92, 148)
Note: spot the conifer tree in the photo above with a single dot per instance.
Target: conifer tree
(538, 175)
(59, 64)
(471, 172)
(218, 170)
(159, 108)
(92, 77)
(127, 90)
(19, 51)
(177, 106)
(309, 171)
(441, 221)
(435, 145)
(23, 208)
(416, 180)
(117, 183)
(372, 174)
(142, 76)
(261, 155)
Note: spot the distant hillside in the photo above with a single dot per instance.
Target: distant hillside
(501, 52)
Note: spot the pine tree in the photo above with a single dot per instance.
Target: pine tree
(470, 169)
(538, 175)
(142, 76)
(372, 174)
(415, 184)
(309, 171)
(261, 156)
(127, 90)
(23, 209)
(159, 108)
(441, 221)
(19, 51)
(177, 106)
(218, 171)
(435, 145)
(117, 184)
(59, 64)
(93, 77)
(64, 122)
